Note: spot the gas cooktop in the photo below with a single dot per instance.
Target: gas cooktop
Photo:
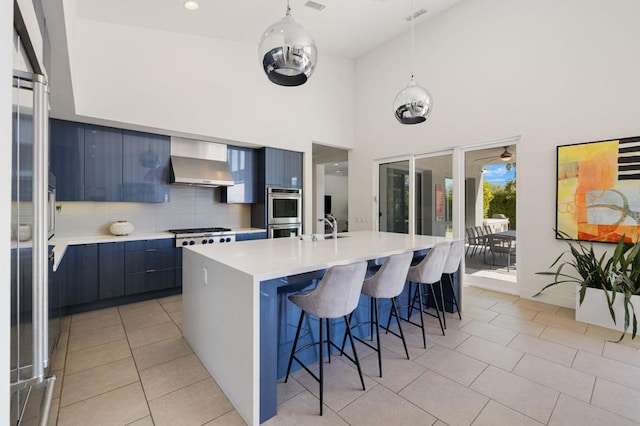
(199, 230)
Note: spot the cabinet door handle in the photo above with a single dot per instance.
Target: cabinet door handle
(151, 249)
(150, 270)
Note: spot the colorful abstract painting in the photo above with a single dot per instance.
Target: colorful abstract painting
(598, 190)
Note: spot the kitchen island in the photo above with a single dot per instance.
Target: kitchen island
(234, 299)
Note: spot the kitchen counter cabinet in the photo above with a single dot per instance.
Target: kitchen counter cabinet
(111, 270)
(248, 236)
(146, 167)
(102, 163)
(77, 275)
(149, 266)
(246, 282)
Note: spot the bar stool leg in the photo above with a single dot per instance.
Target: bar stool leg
(376, 312)
(355, 353)
(295, 344)
(328, 340)
(321, 364)
(431, 292)
(444, 317)
(424, 336)
(455, 300)
(394, 308)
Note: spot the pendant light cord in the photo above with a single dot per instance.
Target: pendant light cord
(288, 9)
(412, 41)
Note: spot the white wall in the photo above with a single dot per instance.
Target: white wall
(553, 72)
(6, 54)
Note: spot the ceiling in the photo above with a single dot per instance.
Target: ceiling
(345, 28)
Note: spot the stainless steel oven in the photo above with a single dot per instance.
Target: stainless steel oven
(284, 206)
(285, 231)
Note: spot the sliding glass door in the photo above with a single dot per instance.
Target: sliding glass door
(434, 195)
(394, 197)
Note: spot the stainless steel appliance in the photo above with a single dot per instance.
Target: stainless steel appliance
(51, 207)
(285, 231)
(284, 206)
(35, 314)
(197, 236)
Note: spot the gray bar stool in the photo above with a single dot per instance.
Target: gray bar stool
(336, 296)
(428, 272)
(451, 266)
(386, 283)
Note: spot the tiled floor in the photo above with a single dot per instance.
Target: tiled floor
(508, 361)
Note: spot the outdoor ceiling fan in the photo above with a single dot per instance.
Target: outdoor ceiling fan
(505, 156)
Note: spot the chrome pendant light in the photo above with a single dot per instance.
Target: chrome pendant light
(288, 52)
(414, 103)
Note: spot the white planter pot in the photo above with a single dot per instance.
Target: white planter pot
(594, 309)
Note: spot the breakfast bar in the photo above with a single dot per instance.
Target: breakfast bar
(234, 299)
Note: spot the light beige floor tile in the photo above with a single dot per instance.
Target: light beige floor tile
(288, 390)
(479, 314)
(98, 355)
(59, 358)
(118, 407)
(341, 383)
(497, 414)
(622, 353)
(193, 405)
(451, 339)
(232, 418)
(482, 301)
(153, 334)
(57, 390)
(472, 291)
(518, 324)
(394, 344)
(515, 392)
(560, 321)
(173, 375)
(145, 421)
(503, 297)
(541, 348)
(95, 314)
(452, 364)
(491, 353)
(170, 307)
(447, 400)
(144, 321)
(574, 340)
(176, 317)
(397, 371)
(608, 334)
(96, 337)
(382, 407)
(514, 310)
(563, 379)
(537, 306)
(570, 411)
(567, 313)
(139, 309)
(608, 369)
(107, 319)
(65, 323)
(170, 299)
(489, 332)
(160, 352)
(618, 399)
(95, 381)
(53, 416)
(304, 409)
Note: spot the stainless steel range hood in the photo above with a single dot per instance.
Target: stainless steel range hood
(199, 163)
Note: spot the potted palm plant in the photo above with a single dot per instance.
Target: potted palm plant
(608, 286)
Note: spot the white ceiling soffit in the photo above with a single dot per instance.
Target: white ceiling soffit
(345, 28)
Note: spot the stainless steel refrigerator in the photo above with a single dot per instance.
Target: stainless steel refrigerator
(34, 320)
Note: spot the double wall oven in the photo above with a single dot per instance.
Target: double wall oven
(284, 212)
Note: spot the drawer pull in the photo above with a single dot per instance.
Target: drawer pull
(151, 249)
(150, 270)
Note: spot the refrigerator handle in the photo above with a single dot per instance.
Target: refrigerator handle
(40, 268)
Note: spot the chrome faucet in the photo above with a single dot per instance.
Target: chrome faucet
(332, 223)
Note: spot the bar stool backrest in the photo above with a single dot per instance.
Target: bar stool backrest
(389, 281)
(338, 292)
(429, 270)
(456, 251)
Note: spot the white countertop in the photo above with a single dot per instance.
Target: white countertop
(278, 257)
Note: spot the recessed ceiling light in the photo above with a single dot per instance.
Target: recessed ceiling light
(315, 5)
(335, 164)
(191, 5)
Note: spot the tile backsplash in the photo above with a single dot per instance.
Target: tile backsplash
(189, 207)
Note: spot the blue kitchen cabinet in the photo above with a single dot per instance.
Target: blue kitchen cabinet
(243, 166)
(145, 167)
(178, 274)
(111, 270)
(66, 157)
(247, 236)
(77, 275)
(102, 163)
(149, 265)
(283, 168)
